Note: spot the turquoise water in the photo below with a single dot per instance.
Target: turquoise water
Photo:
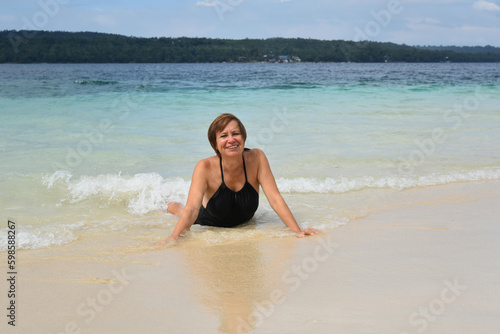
(102, 147)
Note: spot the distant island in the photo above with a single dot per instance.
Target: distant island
(89, 47)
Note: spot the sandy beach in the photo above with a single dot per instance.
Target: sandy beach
(426, 261)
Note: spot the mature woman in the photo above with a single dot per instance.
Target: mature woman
(224, 188)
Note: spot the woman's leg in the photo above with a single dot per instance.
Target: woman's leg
(175, 208)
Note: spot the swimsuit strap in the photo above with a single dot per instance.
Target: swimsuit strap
(221, 172)
(244, 168)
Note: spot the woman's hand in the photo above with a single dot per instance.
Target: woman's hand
(169, 241)
(308, 231)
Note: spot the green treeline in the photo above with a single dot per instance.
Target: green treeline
(466, 49)
(88, 47)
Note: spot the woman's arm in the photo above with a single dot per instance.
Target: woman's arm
(190, 212)
(268, 183)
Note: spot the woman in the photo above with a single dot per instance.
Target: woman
(224, 188)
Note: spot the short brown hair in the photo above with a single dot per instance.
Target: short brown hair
(219, 124)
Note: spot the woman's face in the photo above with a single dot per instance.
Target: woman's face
(230, 142)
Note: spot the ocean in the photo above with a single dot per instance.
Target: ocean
(90, 150)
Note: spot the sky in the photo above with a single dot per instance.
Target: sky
(411, 22)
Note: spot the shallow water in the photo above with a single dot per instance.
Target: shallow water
(93, 149)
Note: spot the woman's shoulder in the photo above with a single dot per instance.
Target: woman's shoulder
(255, 154)
(208, 162)
(206, 168)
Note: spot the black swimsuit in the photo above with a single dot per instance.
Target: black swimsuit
(228, 208)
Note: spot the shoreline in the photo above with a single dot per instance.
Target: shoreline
(424, 261)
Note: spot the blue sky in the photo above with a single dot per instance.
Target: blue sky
(412, 22)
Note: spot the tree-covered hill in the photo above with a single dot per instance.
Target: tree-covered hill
(465, 49)
(90, 47)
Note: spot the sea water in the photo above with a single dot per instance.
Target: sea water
(95, 149)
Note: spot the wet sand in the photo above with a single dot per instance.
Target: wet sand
(427, 261)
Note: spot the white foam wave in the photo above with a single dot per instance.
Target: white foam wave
(143, 193)
(49, 180)
(148, 192)
(29, 237)
(396, 182)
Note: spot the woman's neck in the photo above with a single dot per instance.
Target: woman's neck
(232, 164)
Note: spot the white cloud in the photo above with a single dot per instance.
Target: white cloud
(422, 20)
(206, 3)
(8, 18)
(105, 21)
(444, 34)
(470, 28)
(485, 5)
